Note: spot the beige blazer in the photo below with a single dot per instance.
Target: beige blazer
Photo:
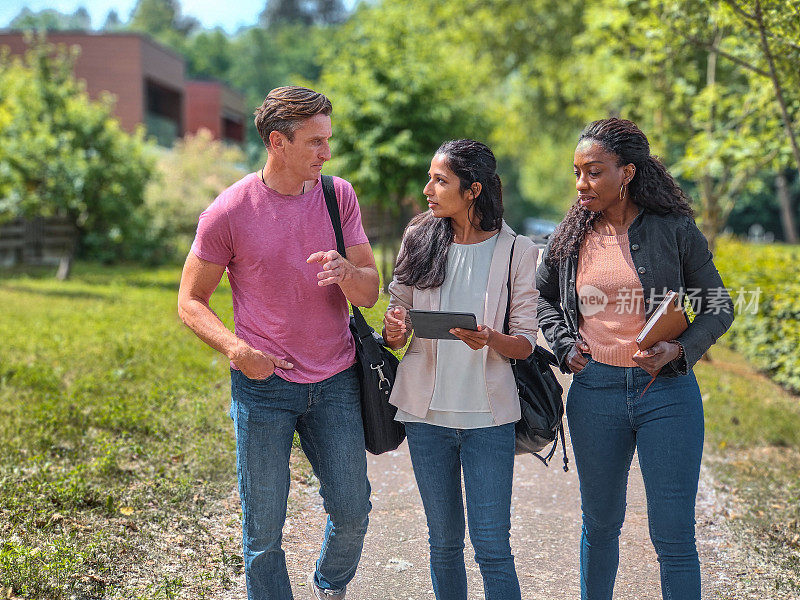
(413, 386)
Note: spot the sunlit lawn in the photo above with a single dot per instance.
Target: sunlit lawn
(109, 408)
(113, 415)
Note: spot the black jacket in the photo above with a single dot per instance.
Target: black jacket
(669, 253)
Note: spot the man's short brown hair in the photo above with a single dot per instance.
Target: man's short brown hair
(285, 108)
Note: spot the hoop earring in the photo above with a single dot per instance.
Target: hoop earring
(623, 192)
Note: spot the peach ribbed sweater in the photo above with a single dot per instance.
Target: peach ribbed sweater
(610, 298)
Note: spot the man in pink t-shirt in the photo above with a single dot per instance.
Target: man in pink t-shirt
(292, 355)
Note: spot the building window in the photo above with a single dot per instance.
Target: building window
(233, 128)
(163, 114)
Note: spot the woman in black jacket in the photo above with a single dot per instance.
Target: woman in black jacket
(630, 238)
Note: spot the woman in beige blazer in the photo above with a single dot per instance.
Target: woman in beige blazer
(457, 397)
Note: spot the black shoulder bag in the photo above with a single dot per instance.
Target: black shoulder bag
(375, 363)
(540, 397)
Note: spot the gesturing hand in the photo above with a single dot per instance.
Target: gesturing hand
(474, 339)
(335, 268)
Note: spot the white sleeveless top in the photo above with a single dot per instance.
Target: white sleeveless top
(460, 399)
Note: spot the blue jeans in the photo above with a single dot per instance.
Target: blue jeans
(607, 422)
(486, 455)
(327, 417)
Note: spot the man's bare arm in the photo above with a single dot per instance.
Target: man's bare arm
(198, 281)
(356, 275)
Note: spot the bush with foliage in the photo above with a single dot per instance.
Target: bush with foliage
(188, 178)
(62, 154)
(770, 335)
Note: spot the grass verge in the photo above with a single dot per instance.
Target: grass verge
(117, 471)
(117, 455)
(753, 449)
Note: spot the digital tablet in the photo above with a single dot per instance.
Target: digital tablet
(436, 324)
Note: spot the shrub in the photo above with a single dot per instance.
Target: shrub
(188, 178)
(770, 336)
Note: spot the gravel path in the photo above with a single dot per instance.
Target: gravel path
(545, 533)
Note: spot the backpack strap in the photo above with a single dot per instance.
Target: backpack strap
(333, 210)
(550, 359)
(362, 327)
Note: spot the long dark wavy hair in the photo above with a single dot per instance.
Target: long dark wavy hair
(652, 187)
(422, 262)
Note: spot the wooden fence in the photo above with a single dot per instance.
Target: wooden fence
(38, 241)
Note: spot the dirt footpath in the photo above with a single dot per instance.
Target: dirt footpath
(545, 531)
(545, 534)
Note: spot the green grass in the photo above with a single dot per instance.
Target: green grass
(113, 424)
(744, 408)
(115, 440)
(752, 421)
(753, 438)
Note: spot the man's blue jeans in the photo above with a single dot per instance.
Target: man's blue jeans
(327, 417)
(486, 455)
(607, 422)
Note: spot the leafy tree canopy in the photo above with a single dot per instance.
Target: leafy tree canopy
(51, 20)
(64, 154)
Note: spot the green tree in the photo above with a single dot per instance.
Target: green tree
(268, 58)
(112, 22)
(397, 94)
(63, 154)
(773, 52)
(302, 12)
(535, 100)
(209, 54)
(51, 20)
(277, 12)
(162, 20)
(661, 65)
(723, 127)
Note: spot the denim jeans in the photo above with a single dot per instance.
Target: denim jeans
(607, 422)
(486, 455)
(327, 417)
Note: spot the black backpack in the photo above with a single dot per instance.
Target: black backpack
(540, 397)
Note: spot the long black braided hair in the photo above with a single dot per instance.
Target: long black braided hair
(652, 187)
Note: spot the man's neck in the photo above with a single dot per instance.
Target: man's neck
(278, 178)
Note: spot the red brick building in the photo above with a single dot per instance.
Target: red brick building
(149, 84)
(216, 107)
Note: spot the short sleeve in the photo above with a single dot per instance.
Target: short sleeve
(352, 228)
(213, 241)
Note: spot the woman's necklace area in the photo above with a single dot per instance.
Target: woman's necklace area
(607, 229)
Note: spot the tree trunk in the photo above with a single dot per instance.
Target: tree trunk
(711, 214)
(69, 250)
(787, 213)
(65, 266)
(776, 84)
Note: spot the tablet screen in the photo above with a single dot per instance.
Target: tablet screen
(436, 324)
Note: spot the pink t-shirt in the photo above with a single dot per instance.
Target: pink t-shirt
(264, 239)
